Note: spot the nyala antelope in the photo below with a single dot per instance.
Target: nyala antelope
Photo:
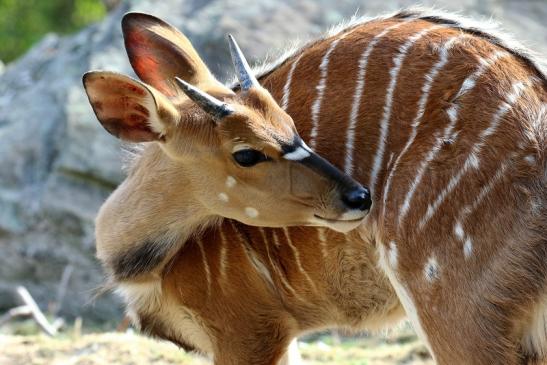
(443, 121)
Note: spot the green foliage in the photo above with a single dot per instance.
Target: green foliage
(24, 22)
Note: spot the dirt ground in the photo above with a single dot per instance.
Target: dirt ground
(398, 347)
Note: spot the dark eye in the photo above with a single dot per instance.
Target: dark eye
(248, 157)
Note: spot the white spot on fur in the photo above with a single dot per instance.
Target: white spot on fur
(467, 248)
(530, 159)
(298, 154)
(251, 212)
(431, 269)
(223, 197)
(458, 230)
(230, 182)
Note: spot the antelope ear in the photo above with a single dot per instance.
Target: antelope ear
(158, 53)
(129, 109)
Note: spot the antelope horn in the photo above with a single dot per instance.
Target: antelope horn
(244, 73)
(208, 103)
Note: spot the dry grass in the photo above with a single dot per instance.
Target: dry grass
(400, 347)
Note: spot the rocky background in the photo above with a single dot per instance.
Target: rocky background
(57, 165)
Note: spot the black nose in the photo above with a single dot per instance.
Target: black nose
(358, 198)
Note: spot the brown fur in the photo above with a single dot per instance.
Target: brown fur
(274, 286)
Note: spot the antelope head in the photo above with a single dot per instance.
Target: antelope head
(237, 154)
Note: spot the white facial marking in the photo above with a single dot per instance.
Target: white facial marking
(242, 146)
(298, 154)
(230, 182)
(431, 269)
(467, 248)
(251, 212)
(223, 197)
(352, 215)
(305, 146)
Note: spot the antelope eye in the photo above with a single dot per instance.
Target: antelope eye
(248, 157)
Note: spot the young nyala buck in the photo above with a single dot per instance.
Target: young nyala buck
(445, 122)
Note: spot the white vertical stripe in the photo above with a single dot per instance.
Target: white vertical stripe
(358, 94)
(384, 122)
(277, 271)
(322, 242)
(453, 111)
(316, 106)
(287, 87)
(500, 172)
(429, 78)
(253, 258)
(405, 296)
(473, 157)
(223, 264)
(469, 209)
(205, 265)
(297, 259)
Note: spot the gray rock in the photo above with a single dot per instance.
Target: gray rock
(58, 164)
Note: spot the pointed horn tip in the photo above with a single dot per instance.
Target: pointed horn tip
(181, 82)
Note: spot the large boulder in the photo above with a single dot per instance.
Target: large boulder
(58, 165)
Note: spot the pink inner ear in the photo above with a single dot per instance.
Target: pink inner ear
(120, 106)
(156, 59)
